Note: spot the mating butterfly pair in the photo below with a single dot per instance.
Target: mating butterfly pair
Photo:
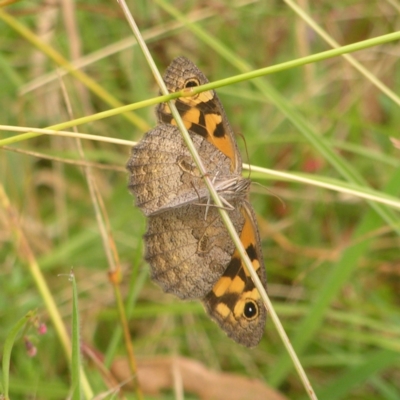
(188, 248)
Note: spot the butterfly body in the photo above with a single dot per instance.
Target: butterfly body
(190, 252)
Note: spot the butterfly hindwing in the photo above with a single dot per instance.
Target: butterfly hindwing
(234, 302)
(188, 249)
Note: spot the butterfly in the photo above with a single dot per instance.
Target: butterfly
(188, 248)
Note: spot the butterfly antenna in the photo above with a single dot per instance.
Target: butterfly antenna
(270, 192)
(246, 150)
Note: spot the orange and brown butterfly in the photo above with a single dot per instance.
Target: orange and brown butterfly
(188, 248)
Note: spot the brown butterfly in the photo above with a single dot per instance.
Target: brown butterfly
(188, 247)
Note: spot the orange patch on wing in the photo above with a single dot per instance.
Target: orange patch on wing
(222, 286)
(212, 120)
(223, 143)
(237, 285)
(239, 307)
(204, 97)
(187, 123)
(223, 310)
(192, 115)
(193, 101)
(248, 237)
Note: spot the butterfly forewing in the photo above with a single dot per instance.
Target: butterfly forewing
(203, 113)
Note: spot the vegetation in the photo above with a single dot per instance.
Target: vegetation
(331, 254)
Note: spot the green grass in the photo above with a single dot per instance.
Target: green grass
(332, 258)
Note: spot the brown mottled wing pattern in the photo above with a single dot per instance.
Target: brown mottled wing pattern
(188, 247)
(164, 176)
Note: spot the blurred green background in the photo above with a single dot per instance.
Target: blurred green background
(332, 259)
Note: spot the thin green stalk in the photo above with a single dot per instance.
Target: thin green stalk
(75, 353)
(62, 62)
(224, 215)
(216, 84)
(26, 254)
(338, 275)
(91, 118)
(340, 387)
(331, 184)
(350, 59)
(8, 345)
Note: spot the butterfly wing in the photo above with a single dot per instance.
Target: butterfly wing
(163, 174)
(203, 113)
(188, 249)
(234, 302)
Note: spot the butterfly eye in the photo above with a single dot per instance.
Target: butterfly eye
(250, 310)
(192, 82)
